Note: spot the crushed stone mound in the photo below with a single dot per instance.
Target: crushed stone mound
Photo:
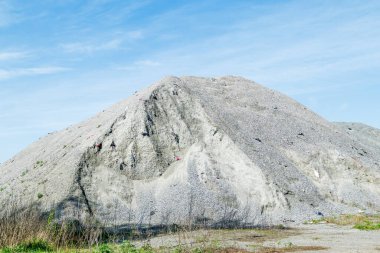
(199, 150)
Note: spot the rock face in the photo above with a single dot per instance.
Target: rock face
(199, 150)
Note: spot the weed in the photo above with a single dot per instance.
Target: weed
(315, 221)
(24, 173)
(359, 221)
(285, 244)
(104, 248)
(368, 225)
(127, 247)
(294, 248)
(38, 164)
(35, 245)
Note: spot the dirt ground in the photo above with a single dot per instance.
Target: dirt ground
(337, 238)
(309, 238)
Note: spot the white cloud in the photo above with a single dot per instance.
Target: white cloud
(89, 48)
(5, 15)
(299, 51)
(10, 13)
(343, 107)
(13, 73)
(6, 56)
(141, 64)
(138, 34)
(147, 63)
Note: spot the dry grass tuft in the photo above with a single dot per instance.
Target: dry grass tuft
(346, 219)
(21, 227)
(358, 221)
(17, 227)
(290, 249)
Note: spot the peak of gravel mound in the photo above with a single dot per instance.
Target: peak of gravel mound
(362, 133)
(199, 150)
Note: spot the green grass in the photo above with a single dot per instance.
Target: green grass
(358, 221)
(39, 164)
(24, 173)
(40, 246)
(30, 246)
(207, 245)
(368, 225)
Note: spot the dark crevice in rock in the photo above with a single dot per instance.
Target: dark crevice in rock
(176, 138)
(110, 130)
(134, 156)
(113, 145)
(180, 112)
(153, 114)
(288, 192)
(83, 164)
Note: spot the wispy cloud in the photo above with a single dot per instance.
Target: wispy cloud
(137, 34)
(12, 55)
(140, 65)
(343, 107)
(103, 42)
(89, 48)
(110, 12)
(11, 13)
(5, 13)
(317, 44)
(13, 73)
(147, 63)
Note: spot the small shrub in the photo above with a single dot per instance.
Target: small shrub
(39, 195)
(198, 250)
(35, 245)
(104, 248)
(128, 247)
(146, 249)
(38, 164)
(178, 249)
(359, 221)
(368, 226)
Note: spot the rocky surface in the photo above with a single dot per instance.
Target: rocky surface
(362, 133)
(199, 150)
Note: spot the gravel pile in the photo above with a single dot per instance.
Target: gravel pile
(190, 150)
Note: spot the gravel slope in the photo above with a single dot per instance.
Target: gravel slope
(198, 150)
(370, 136)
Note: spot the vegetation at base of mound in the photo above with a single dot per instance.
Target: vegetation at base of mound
(358, 221)
(35, 245)
(29, 231)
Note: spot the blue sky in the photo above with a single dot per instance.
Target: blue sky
(62, 61)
